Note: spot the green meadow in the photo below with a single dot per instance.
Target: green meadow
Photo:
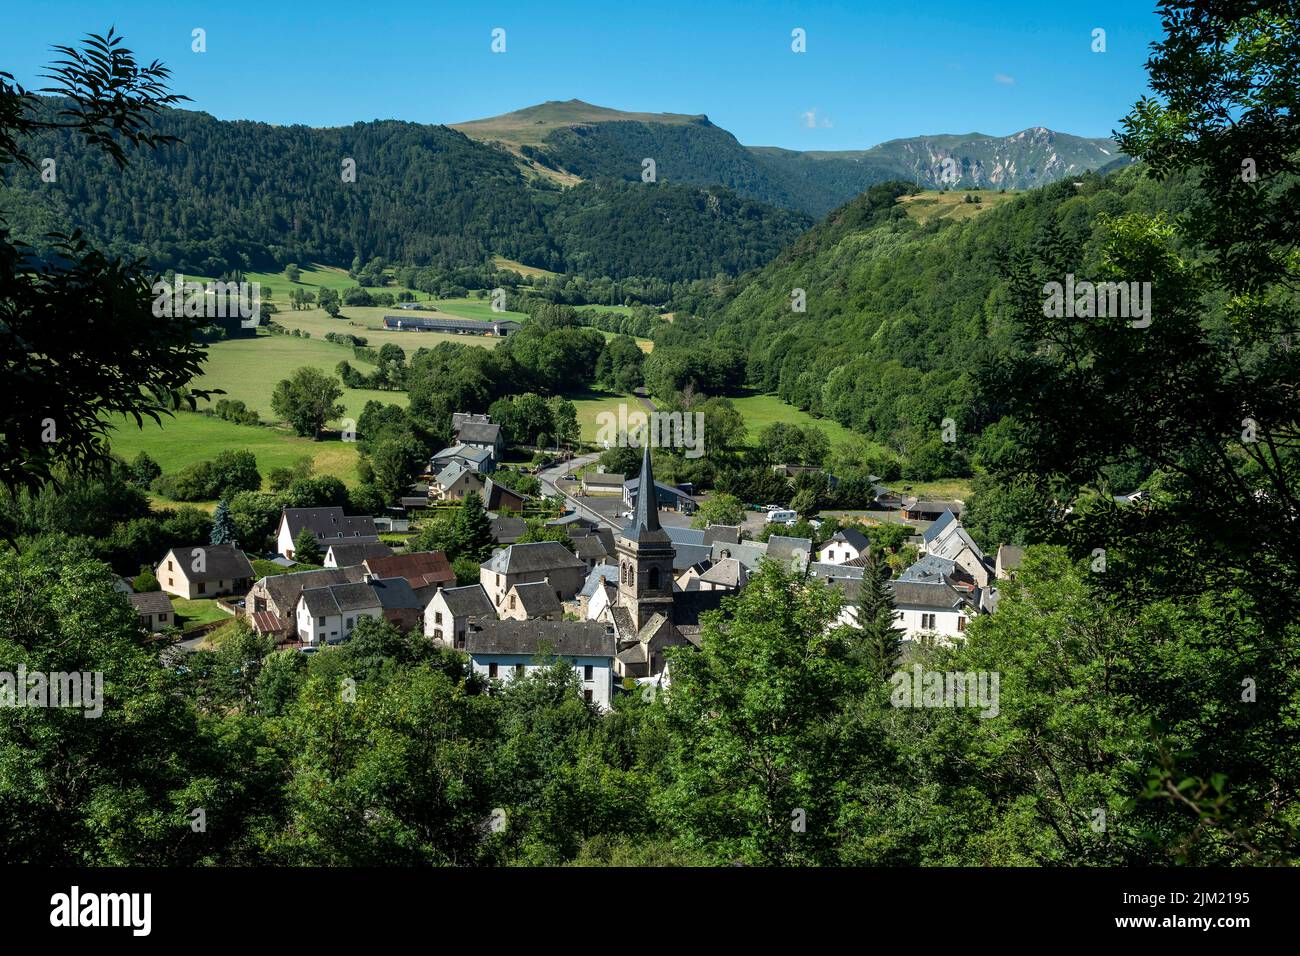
(759, 411)
(188, 437)
(248, 369)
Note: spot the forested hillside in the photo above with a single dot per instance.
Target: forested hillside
(901, 315)
(255, 196)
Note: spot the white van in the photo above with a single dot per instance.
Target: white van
(782, 516)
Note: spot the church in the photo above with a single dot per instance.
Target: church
(648, 611)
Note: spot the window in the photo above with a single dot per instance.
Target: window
(519, 670)
(492, 670)
(512, 602)
(437, 633)
(961, 623)
(320, 621)
(654, 579)
(349, 624)
(460, 639)
(586, 695)
(171, 583)
(169, 565)
(162, 616)
(202, 588)
(588, 671)
(927, 622)
(437, 617)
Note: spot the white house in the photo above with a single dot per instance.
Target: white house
(450, 610)
(932, 610)
(328, 525)
(509, 650)
(328, 615)
(847, 544)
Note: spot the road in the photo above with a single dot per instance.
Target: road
(548, 477)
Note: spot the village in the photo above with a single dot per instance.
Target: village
(631, 583)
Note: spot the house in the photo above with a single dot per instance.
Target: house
(916, 509)
(795, 553)
(1008, 561)
(725, 575)
(667, 496)
(932, 610)
(497, 497)
(449, 612)
(155, 610)
(481, 435)
(748, 553)
(596, 548)
(602, 483)
(599, 586)
(328, 615)
(328, 525)
(574, 523)
(725, 533)
(507, 529)
(509, 650)
(957, 545)
(455, 481)
(424, 571)
(475, 459)
(532, 602)
(349, 554)
(460, 418)
(404, 323)
(845, 545)
(204, 571)
(547, 561)
(938, 529)
(689, 547)
(277, 595)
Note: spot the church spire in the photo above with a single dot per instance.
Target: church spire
(644, 525)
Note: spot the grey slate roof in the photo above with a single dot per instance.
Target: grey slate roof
(507, 529)
(1010, 556)
(469, 601)
(782, 548)
(329, 523)
(835, 572)
(680, 536)
(689, 555)
(151, 602)
(937, 529)
(592, 547)
(284, 589)
(222, 562)
(938, 596)
(478, 433)
(727, 573)
(592, 584)
(395, 594)
(852, 536)
(349, 553)
(721, 532)
(537, 598)
(533, 556)
(929, 569)
(558, 638)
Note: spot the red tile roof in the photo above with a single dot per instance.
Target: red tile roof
(420, 568)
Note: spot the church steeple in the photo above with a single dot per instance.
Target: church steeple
(645, 555)
(644, 526)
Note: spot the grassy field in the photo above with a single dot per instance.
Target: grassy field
(645, 345)
(760, 411)
(198, 611)
(509, 265)
(591, 404)
(951, 204)
(248, 369)
(944, 488)
(368, 323)
(188, 437)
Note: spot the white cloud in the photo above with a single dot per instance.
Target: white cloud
(1003, 79)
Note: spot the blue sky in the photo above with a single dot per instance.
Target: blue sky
(872, 71)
